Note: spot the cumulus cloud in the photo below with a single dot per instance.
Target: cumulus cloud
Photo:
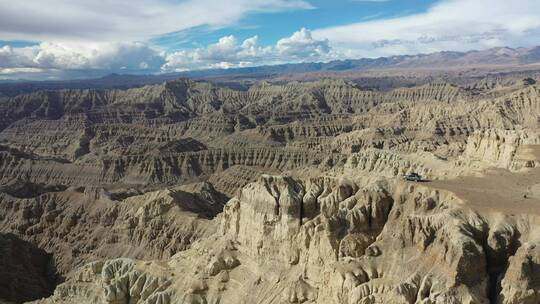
(138, 57)
(301, 45)
(15, 58)
(99, 35)
(123, 20)
(80, 35)
(113, 57)
(448, 25)
(228, 52)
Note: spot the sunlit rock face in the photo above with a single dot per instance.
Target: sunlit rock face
(327, 240)
(286, 192)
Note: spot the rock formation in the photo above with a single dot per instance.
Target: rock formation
(332, 241)
(189, 192)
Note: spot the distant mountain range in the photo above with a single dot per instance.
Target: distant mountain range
(440, 60)
(494, 56)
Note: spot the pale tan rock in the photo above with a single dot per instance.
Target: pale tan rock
(520, 283)
(126, 188)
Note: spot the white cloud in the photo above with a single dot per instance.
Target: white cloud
(98, 35)
(82, 35)
(122, 20)
(20, 70)
(15, 57)
(449, 25)
(76, 56)
(138, 57)
(228, 53)
(301, 45)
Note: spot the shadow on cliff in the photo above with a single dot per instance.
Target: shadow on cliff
(26, 272)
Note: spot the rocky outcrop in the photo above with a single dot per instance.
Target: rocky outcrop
(521, 282)
(231, 180)
(331, 241)
(182, 131)
(80, 225)
(501, 148)
(377, 163)
(126, 189)
(159, 168)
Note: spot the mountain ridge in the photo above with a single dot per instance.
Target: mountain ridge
(499, 56)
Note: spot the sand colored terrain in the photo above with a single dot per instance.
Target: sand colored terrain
(500, 190)
(188, 192)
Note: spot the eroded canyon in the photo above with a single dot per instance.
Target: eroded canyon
(286, 192)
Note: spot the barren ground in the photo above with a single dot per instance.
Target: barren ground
(499, 189)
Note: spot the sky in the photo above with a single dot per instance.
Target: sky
(63, 39)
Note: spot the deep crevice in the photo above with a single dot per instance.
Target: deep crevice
(27, 272)
(496, 266)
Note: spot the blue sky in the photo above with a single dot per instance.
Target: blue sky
(43, 39)
(270, 27)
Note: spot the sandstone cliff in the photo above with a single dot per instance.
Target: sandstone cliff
(188, 192)
(331, 241)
